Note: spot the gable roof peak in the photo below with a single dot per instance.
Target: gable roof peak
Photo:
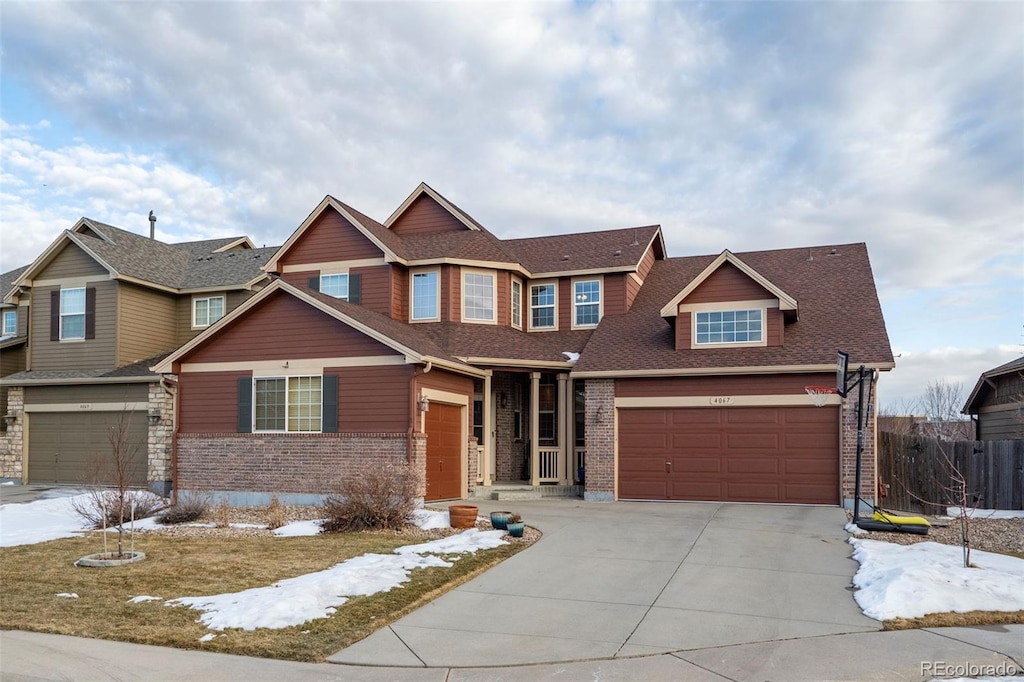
(425, 189)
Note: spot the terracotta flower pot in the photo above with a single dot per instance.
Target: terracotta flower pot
(462, 515)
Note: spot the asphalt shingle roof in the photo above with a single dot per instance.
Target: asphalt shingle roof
(138, 370)
(585, 250)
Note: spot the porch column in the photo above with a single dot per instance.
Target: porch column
(534, 428)
(486, 473)
(563, 428)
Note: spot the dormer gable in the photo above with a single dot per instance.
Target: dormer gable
(729, 304)
(426, 212)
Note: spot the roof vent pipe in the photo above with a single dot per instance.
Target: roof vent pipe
(152, 225)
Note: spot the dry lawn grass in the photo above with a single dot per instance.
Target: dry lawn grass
(33, 575)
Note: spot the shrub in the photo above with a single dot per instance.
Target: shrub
(105, 508)
(222, 514)
(275, 514)
(382, 499)
(189, 507)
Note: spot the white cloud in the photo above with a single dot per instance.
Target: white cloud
(916, 369)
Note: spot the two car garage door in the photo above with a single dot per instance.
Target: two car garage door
(731, 454)
(74, 447)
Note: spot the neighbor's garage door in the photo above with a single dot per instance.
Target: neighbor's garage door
(738, 454)
(74, 447)
(444, 452)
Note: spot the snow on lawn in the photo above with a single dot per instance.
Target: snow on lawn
(954, 512)
(40, 521)
(909, 581)
(317, 595)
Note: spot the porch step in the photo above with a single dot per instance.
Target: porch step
(525, 492)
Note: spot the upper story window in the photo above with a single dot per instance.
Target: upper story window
(542, 306)
(72, 314)
(334, 285)
(586, 302)
(517, 303)
(478, 296)
(426, 296)
(206, 311)
(729, 326)
(10, 323)
(287, 404)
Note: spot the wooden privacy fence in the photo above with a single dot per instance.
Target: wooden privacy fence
(918, 473)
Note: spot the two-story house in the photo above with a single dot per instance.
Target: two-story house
(13, 338)
(996, 404)
(95, 310)
(589, 359)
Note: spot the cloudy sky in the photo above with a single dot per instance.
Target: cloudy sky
(733, 125)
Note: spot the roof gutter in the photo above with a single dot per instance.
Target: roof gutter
(65, 381)
(712, 371)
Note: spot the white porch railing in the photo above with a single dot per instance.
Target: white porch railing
(550, 464)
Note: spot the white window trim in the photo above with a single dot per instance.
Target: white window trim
(223, 308)
(334, 274)
(287, 378)
(600, 303)
(494, 295)
(62, 315)
(511, 302)
(7, 315)
(729, 307)
(529, 305)
(412, 297)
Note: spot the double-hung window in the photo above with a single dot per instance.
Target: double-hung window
(206, 311)
(729, 326)
(478, 296)
(517, 303)
(334, 285)
(542, 306)
(10, 323)
(287, 404)
(72, 314)
(586, 302)
(425, 296)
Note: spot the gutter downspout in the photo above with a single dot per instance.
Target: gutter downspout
(412, 407)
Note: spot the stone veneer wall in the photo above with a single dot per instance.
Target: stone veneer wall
(161, 440)
(11, 442)
(600, 457)
(301, 468)
(848, 451)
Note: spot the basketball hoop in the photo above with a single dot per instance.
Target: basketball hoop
(820, 394)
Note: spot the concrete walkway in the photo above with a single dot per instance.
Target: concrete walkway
(632, 579)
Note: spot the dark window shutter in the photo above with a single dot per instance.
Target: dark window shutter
(55, 315)
(355, 288)
(329, 416)
(245, 405)
(90, 312)
(314, 283)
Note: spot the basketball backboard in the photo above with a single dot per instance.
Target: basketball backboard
(842, 361)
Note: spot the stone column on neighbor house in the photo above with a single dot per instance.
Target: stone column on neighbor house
(599, 485)
(161, 439)
(12, 442)
(848, 450)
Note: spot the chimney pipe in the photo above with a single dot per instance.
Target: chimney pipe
(152, 225)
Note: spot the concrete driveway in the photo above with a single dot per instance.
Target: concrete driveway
(632, 578)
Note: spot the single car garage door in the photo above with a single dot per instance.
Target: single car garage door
(738, 454)
(74, 447)
(444, 452)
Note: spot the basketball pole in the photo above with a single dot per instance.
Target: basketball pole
(860, 443)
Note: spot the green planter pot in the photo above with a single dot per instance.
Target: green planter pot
(499, 519)
(516, 529)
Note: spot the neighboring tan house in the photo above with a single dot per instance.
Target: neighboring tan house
(479, 361)
(105, 304)
(13, 337)
(996, 404)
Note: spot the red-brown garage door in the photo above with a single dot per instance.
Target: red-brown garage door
(444, 452)
(736, 454)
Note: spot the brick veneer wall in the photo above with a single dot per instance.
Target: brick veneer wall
(848, 452)
(303, 464)
(600, 457)
(12, 443)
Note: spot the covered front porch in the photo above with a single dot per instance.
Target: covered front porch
(530, 430)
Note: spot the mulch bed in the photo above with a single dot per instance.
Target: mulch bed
(990, 535)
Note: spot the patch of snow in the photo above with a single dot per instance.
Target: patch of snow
(954, 512)
(909, 581)
(317, 595)
(248, 525)
(207, 637)
(142, 598)
(298, 529)
(573, 358)
(429, 520)
(68, 595)
(854, 529)
(7, 483)
(148, 523)
(40, 521)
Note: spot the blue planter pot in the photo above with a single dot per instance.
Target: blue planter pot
(516, 529)
(499, 519)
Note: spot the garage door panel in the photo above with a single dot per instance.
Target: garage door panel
(749, 454)
(75, 447)
(443, 424)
